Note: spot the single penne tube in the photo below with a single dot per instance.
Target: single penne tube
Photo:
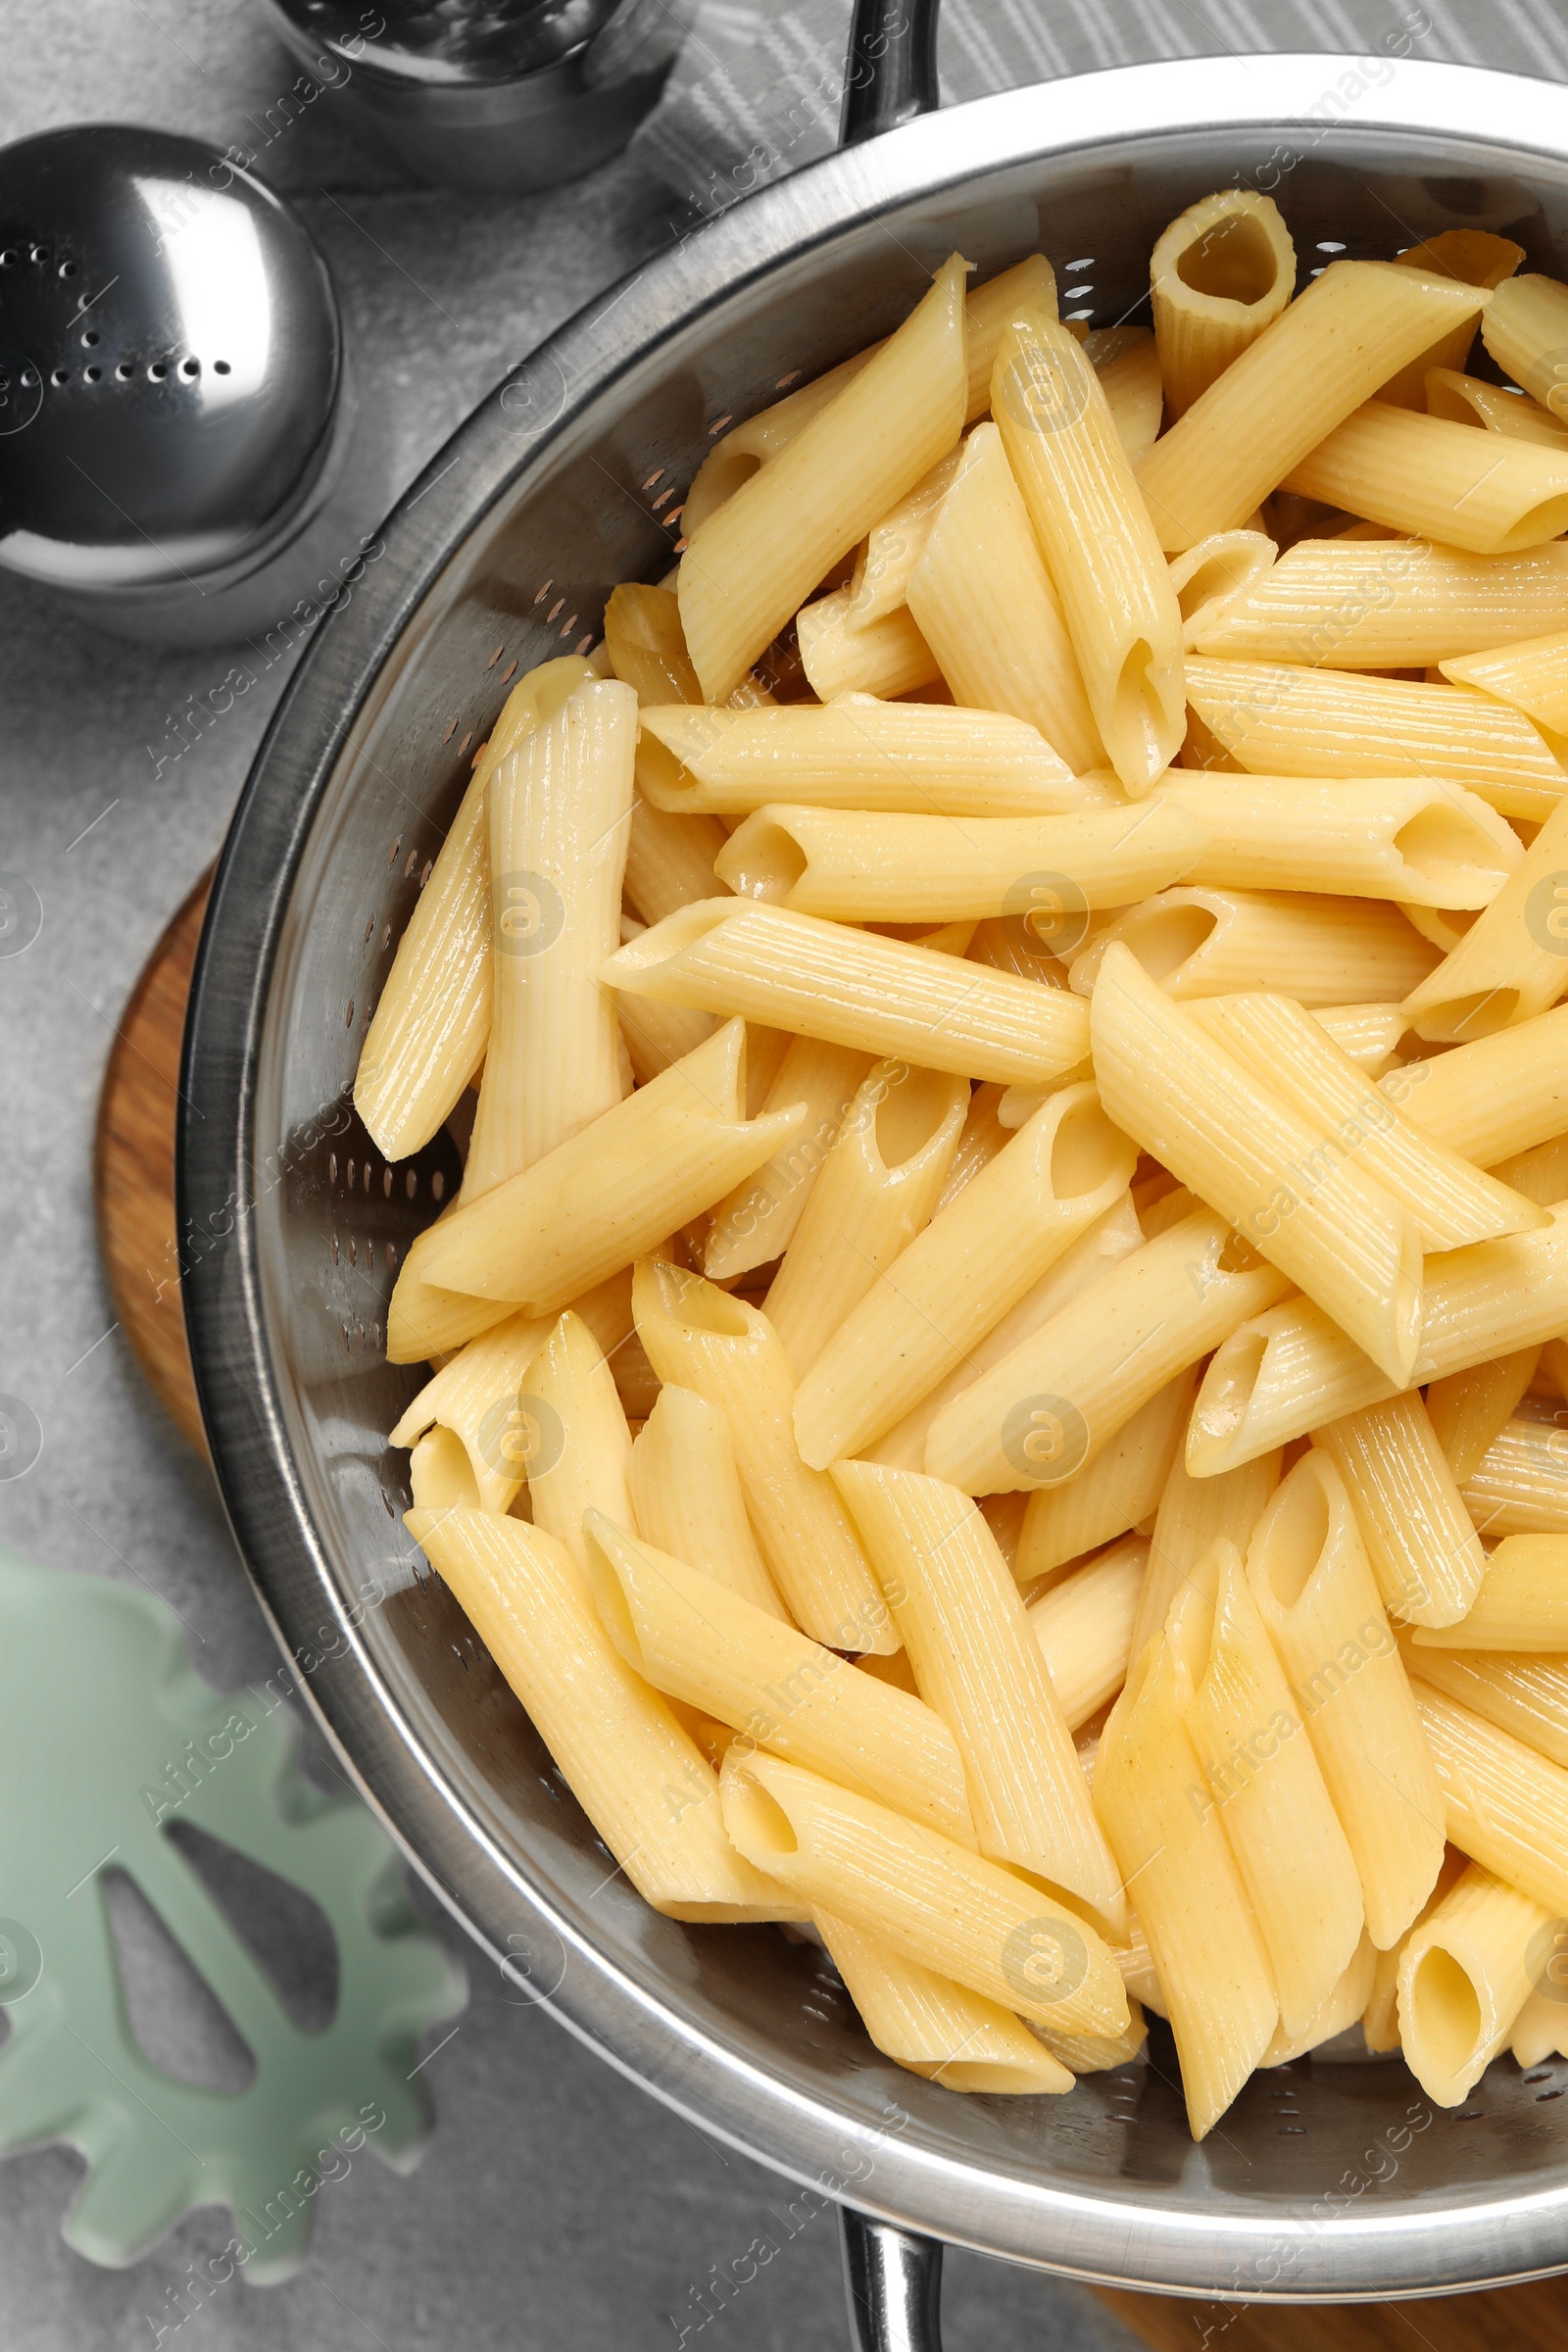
(1520, 1485)
(1369, 1034)
(759, 1219)
(1290, 1368)
(1260, 1774)
(1495, 408)
(1521, 1603)
(858, 868)
(427, 1325)
(1531, 675)
(1495, 1097)
(935, 2027)
(1345, 2007)
(1421, 838)
(699, 1641)
(1526, 1697)
(1127, 363)
(1513, 960)
(894, 545)
(1193, 1513)
(878, 1189)
(1529, 338)
(885, 657)
(1046, 1410)
(955, 1912)
(1464, 1976)
(1324, 355)
(669, 860)
(1505, 1806)
(1314, 1590)
(1308, 1207)
(1198, 941)
(1392, 604)
(782, 532)
(1112, 1236)
(927, 759)
(440, 1475)
(646, 646)
(1541, 1175)
(1083, 1625)
(818, 979)
(1421, 1541)
(1099, 547)
(1542, 2025)
(582, 1454)
(1203, 1939)
(979, 1665)
(1281, 718)
(701, 1338)
(429, 1030)
(1425, 476)
(1476, 258)
(644, 1783)
(687, 1497)
(474, 1398)
(1380, 2020)
(635, 1176)
(986, 607)
(1221, 272)
(1119, 1489)
(1469, 1409)
(1211, 575)
(1052, 1180)
(982, 1139)
(657, 1036)
(1451, 1202)
(560, 810)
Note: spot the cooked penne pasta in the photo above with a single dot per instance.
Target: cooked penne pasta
(956, 1913)
(1520, 1485)
(1046, 1410)
(1531, 675)
(699, 1641)
(1342, 2009)
(978, 1664)
(658, 1036)
(1513, 960)
(687, 1497)
(644, 1783)
(669, 860)
(1350, 330)
(1471, 1408)
(1222, 272)
(935, 2027)
(1506, 1807)
(1119, 1489)
(1501, 1096)
(1526, 1697)
(1193, 1513)
(1211, 575)
(646, 646)
(1521, 1604)
(758, 1220)
(895, 544)
(1420, 1539)
(1528, 337)
(986, 607)
(1476, 258)
(1422, 476)
(1419, 838)
(1127, 363)
(1047, 871)
(877, 1190)
(1369, 1034)
(1380, 2021)
(1314, 1590)
(1104, 556)
(884, 657)
(1084, 1623)
(1542, 2025)
(1392, 604)
(1055, 1178)
(474, 1400)
(582, 1454)
(1497, 408)
(1197, 942)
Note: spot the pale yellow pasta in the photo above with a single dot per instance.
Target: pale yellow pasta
(1420, 1539)
(829, 980)
(1127, 364)
(1193, 1513)
(1491, 1100)
(985, 605)
(687, 1497)
(956, 1913)
(1541, 1175)
(1419, 838)
(1282, 719)
(1119, 1489)
(1221, 272)
(758, 1220)
(581, 1449)
(978, 1664)
(1380, 2020)
(440, 1473)
(1211, 575)
(1478, 257)
(934, 2027)
(1083, 1625)
(1468, 400)
(1520, 1485)
(1103, 555)
(1368, 1034)
(1505, 1806)
(611, 1192)
(1528, 337)
(1464, 1977)
(918, 1322)
(928, 758)
(1425, 476)
(646, 645)
(1350, 330)
(1531, 675)
(1526, 1697)
(1521, 1605)
(1314, 1590)
(1400, 604)
(771, 543)
(657, 1036)
(702, 1338)
(1307, 1207)
(1213, 1971)
(1342, 2009)
(894, 545)
(1263, 1779)
(884, 657)
(1471, 1408)
(699, 1641)
(1097, 2053)
(669, 860)
(1513, 960)
(1198, 941)
(473, 1399)
(644, 1783)
(1045, 1411)
(1542, 2025)
(877, 1190)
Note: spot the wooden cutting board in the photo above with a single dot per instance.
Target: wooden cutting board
(134, 1189)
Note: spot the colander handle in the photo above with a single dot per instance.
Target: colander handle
(894, 2284)
(891, 76)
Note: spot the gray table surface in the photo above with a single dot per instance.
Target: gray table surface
(556, 2204)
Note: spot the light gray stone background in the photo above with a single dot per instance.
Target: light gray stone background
(556, 2205)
